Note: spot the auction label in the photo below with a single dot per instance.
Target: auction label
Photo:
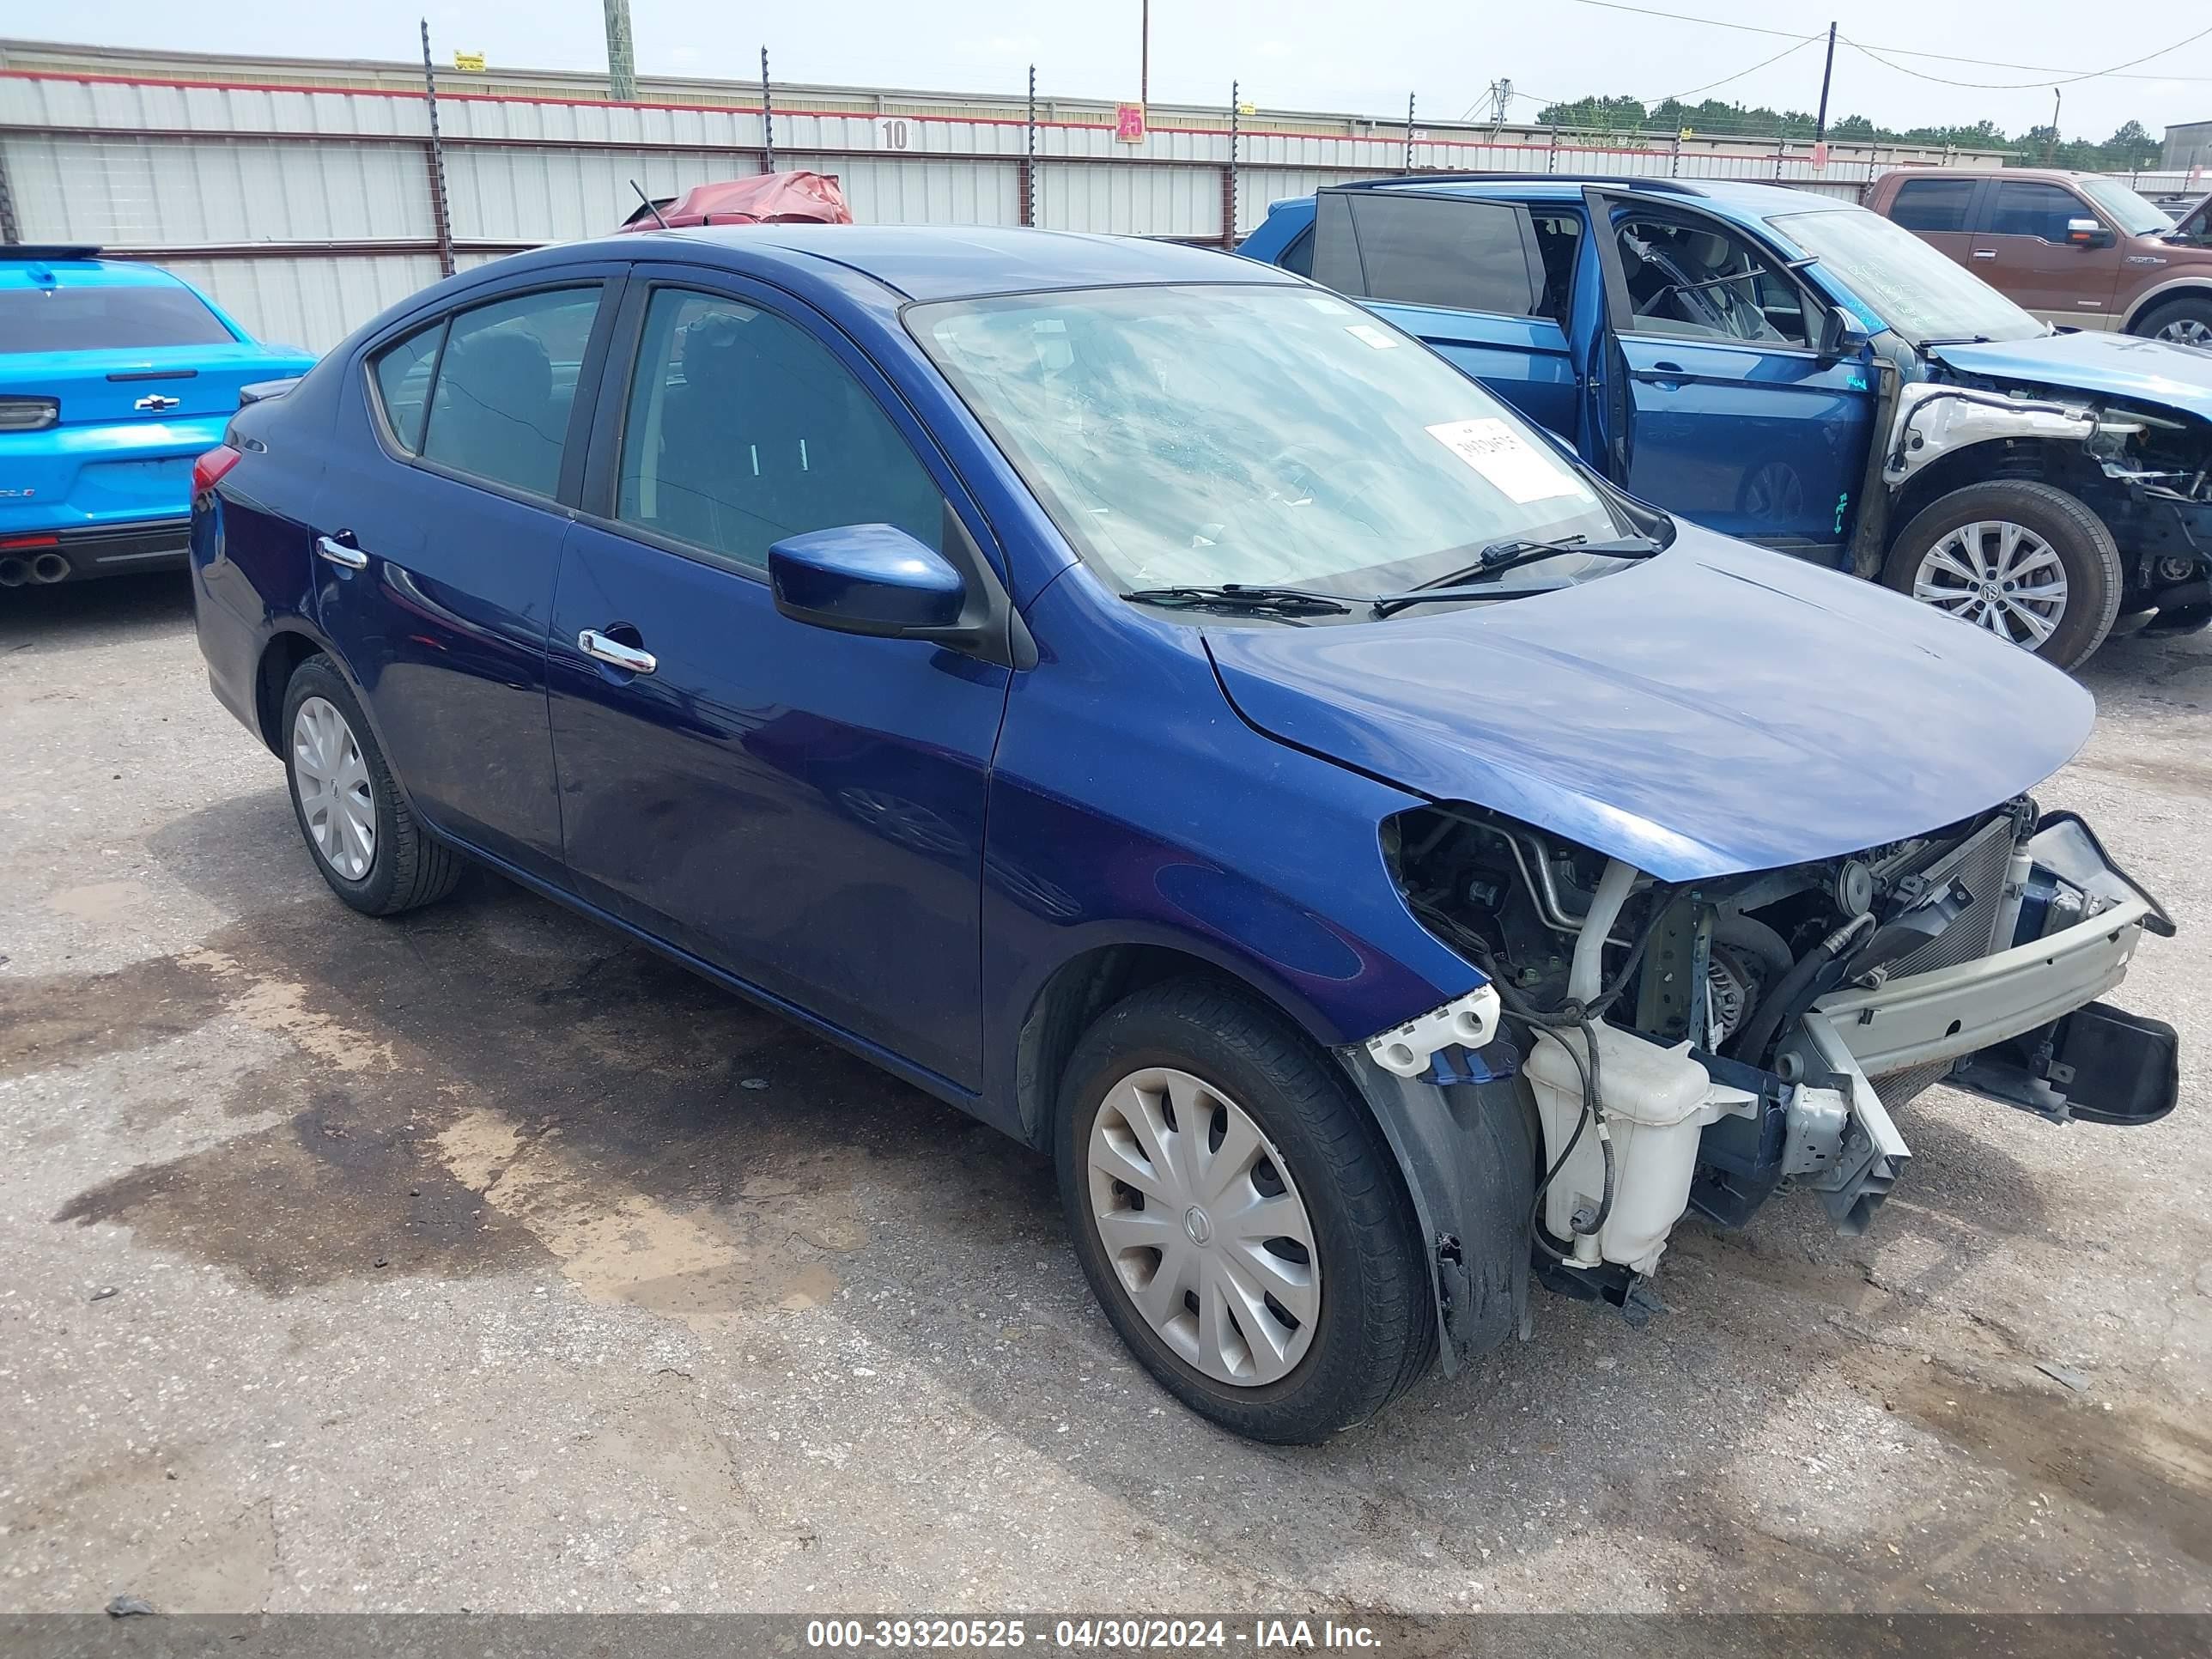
(1087, 1635)
(1516, 467)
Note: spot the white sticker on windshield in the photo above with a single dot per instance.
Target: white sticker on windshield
(1368, 334)
(1516, 466)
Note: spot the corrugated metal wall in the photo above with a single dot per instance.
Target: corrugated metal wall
(305, 211)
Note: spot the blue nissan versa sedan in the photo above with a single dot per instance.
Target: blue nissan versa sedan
(113, 376)
(1134, 695)
(1805, 374)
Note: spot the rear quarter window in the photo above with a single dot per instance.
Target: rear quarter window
(106, 318)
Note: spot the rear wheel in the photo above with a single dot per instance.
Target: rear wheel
(1239, 1216)
(2021, 559)
(2186, 322)
(358, 829)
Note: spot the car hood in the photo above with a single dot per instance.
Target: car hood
(2155, 372)
(1716, 709)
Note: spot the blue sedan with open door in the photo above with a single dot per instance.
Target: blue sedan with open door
(1142, 699)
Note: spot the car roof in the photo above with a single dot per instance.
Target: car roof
(1732, 198)
(922, 262)
(39, 266)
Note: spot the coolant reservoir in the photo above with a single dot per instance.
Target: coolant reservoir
(1657, 1101)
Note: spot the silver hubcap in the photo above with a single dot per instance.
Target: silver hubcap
(2004, 577)
(332, 780)
(2187, 331)
(1205, 1229)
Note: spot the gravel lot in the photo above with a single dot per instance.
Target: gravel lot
(480, 1261)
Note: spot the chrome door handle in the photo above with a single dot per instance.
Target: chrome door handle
(593, 643)
(338, 553)
(1985, 253)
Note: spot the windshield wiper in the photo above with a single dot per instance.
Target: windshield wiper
(1239, 596)
(1964, 339)
(1498, 558)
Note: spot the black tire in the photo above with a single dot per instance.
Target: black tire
(407, 868)
(2084, 548)
(2176, 313)
(1376, 1331)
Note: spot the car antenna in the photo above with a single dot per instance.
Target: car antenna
(650, 207)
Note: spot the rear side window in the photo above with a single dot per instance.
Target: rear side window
(64, 319)
(2024, 209)
(1933, 203)
(1466, 256)
(403, 381)
(742, 430)
(505, 383)
(1298, 256)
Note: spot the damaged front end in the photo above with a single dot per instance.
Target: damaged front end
(1711, 1043)
(2146, 471)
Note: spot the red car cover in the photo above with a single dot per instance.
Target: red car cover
(771, 198)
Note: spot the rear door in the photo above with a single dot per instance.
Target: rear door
(2021, 249)
(1940, 212)
(1729, 415)
(438, 537)
(1472, 278)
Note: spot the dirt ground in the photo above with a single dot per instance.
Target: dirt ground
(479, 1259)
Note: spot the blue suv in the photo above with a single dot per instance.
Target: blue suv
(113, 376)
(1136, 697)
(1798, 371)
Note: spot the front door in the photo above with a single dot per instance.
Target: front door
(802, 809)
(2021, 251)
(1732, 418)
(439, 528)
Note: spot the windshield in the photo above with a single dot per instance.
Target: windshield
(1915, 290)
(1255, 436)
(105, 318)
(2134, 215)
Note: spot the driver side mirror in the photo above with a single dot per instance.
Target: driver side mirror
(870, 579)
(2088, 232)
(1840, 333)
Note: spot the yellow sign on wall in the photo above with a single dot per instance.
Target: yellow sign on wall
(473, 62)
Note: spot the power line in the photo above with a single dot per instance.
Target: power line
(2063, 79)
(1909, 52)
(1672, 97)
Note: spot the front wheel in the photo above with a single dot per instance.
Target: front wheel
(1239, 1216)
(2024, 560)
(2186, 322)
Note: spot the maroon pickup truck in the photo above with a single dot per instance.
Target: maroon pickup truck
(2074, 248)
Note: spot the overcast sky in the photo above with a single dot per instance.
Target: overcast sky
(1358, 55)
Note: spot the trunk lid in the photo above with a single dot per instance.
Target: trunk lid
(158, 383)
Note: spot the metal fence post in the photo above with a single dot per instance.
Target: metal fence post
(768, 120)
(10, 231)
(1028, 163)
(439, 214)
(1228, 178)
(1409, 132)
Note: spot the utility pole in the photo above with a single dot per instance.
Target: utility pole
(622, 58)
(1820, 122)
(2058, 98)
(1144, 60)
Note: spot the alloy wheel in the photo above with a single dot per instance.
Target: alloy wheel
(2188, 331)
(1204, 1227)
(1998, 575)
(330, 777)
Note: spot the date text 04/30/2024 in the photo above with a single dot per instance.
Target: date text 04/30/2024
(1080, 1635)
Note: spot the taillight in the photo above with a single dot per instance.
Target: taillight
(28, 414)
(209, 469)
